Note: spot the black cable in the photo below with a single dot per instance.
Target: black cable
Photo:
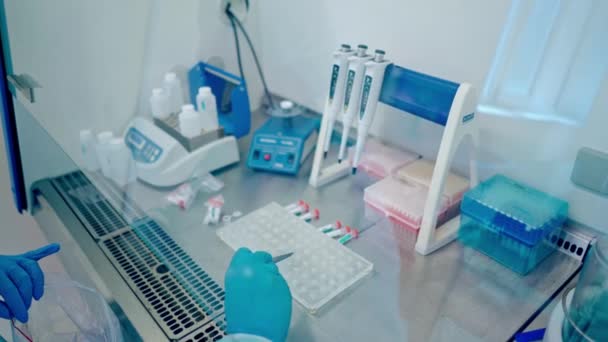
(238, 48)
(234, 19)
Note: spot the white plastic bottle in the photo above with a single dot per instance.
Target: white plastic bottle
(173, 89)
(207, 106)
(159, 104)
(87, 149)
(119, 158)
(103, 141)
(189, 121)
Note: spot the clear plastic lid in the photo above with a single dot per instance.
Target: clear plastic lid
(421, 171)
(381, 160)
(513, 208)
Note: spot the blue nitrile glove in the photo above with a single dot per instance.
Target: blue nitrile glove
(258, 300)
(21, 279)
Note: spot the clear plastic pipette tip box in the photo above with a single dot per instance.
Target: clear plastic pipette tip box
(510, 222)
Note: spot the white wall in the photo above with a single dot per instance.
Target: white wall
(179, 34)
(87, 57)
(455, 40)
(99, 61)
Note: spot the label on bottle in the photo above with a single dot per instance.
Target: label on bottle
(349, 88)
(334, 80)
(367, 86)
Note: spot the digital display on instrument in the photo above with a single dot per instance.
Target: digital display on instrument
(144, 150)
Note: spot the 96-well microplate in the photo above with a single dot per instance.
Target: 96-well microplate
(320, 268)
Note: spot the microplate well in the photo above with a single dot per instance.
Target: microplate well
(320, 268)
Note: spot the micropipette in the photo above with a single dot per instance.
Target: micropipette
(281, 257)
(354, 81)
(372, 84)
(336, 91)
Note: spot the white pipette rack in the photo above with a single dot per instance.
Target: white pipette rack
(320, 268)
(410, 91)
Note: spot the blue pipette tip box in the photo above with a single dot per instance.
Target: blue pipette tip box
(510, 222)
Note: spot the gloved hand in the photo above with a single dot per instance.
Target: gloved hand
(21, 279)
(258, 300)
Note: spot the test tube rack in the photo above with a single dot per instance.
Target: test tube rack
(320, 268)
(443, 102)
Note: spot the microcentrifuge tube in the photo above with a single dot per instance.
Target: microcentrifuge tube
(326, 228)
(353, 233)
(335, 233)
(300, 209)
(294, 205)
(311, 215)
(329, 227)
(343, 240)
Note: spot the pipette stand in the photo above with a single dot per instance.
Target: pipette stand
(320, 176)
(446, 103)
(460, 124)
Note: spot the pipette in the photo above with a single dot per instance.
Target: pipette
(372, 85)
(281, 257)
(336, 91)
(354, 80)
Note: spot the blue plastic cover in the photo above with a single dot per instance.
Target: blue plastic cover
(422, 95)
(517, 210)
(230, 92)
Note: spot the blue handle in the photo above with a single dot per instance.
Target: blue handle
(422, 95)
(529, 336)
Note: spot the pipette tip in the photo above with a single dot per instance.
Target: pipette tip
(325, 154)
(354, 170)
(339, 161)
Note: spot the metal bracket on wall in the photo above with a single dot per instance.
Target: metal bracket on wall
(573, 240)
(25, 84)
